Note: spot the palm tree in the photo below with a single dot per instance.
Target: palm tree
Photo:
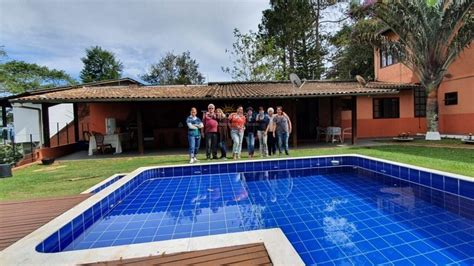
(432, 34)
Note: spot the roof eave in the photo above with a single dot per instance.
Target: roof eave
(150, 99)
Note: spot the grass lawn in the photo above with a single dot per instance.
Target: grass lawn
(73, 177)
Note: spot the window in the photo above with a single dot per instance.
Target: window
(386, 58)
(420, 102)
(451, 98)
(386, 107)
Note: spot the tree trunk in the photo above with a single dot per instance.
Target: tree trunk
(432, 113)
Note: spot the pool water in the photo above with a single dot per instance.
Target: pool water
(345, 216)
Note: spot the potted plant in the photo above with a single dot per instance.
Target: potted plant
(8, 157)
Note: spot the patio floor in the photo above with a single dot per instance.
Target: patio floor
(82, 155)
(20, 218)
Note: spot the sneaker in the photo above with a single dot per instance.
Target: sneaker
(192, 160)
(224, 158)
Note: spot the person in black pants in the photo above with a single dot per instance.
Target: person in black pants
(271, 140)
(210, 131)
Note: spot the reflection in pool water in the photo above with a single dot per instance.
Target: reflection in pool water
(342, 217)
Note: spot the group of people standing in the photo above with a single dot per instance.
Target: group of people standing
(271, 129)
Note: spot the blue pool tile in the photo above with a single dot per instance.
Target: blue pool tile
(451, 185)
(178, 171)
(404, 173)
(437, 181)
(466, 188)
(425, 178)
(414, 175)
(376, 257)
(392, 254)
(438, 257)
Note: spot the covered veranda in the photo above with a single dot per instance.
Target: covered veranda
(151, 118)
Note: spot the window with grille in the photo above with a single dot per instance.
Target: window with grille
(386, 108)
(420, 102)
(451, 98)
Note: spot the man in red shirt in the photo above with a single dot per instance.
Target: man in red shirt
(210, 131)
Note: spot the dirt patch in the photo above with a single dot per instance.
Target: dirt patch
(50, 168)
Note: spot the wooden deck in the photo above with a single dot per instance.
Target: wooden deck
(20, 218)
(251, 254)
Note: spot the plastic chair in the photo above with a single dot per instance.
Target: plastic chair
(346, 131)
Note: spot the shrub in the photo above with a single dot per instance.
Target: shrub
(8, 155)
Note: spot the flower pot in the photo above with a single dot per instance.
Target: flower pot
(5, 170)
(47, 161)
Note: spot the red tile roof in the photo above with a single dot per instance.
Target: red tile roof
(226, 90)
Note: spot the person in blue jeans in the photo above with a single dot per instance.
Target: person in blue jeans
(282, 129)
(250, 131)
(194, 135)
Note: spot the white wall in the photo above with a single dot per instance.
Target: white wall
(62, 114)
(26, 122)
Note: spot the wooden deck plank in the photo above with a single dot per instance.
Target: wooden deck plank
(251, 254)
(20, 218)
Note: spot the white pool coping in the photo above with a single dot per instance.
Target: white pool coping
(278, 246)
(94, 187)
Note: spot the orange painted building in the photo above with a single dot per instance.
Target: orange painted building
(455, 99)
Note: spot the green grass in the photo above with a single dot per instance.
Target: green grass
(442, 142)
(73, 177)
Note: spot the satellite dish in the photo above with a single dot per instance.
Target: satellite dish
(295, 80)
(361, 80)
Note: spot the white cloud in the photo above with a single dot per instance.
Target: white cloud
(55, 33)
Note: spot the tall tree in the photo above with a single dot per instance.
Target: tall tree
(354, 44)
(295, 28)
(174, 69)
(253, 59)
(100, 64)
(19, 76)
(431, 35)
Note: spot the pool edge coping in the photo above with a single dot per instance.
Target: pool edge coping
(24, 250)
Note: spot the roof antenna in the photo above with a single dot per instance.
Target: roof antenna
(295, 80)
(361, 80)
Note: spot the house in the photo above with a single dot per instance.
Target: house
(152, 117)
(406, 111)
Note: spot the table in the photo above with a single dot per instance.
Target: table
(332, 132)
(112, 139)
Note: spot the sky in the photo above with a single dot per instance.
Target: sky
(55, 33)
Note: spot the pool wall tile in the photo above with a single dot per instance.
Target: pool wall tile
(466, 189)
(425, 178)
(451, 185)
(414, 175)
(404, 173)
(437, 181)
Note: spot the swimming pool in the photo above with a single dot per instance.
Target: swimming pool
(332, 209)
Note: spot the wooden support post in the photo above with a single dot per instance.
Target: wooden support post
(294, 131)
(4, 116)
(45, 124)
(354, 119)
(141, 148)
(76, 122)
(331, 114)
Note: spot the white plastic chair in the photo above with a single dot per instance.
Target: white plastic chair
(346, 131)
